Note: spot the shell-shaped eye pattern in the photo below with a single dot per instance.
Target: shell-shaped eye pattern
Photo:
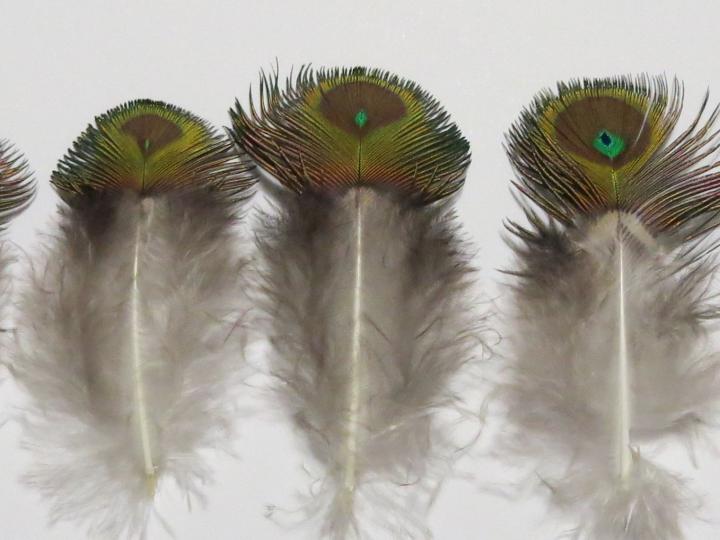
(332, 129)
(151, 147)
(604, 144)
(17, 187)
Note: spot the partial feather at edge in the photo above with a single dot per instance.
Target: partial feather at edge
(17, 186)
(17, 190)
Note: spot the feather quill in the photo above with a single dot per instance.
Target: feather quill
(610, 305)
(366, 286)
(129, 334)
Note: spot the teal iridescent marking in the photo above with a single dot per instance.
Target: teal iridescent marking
(361, 118)
(608, 144)
(147, 145)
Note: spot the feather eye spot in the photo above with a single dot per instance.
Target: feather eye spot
(369, 105)
(599, 145)
(151, 132)
(151, 147)
(609, 144)
(345, 127)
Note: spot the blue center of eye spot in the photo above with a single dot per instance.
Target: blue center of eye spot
(608, 143)
(361, 118)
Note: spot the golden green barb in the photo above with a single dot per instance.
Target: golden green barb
(332, 129)
(151, 147)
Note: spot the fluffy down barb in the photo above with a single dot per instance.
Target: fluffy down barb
(129, 347)
(370, 319)
(609, 352)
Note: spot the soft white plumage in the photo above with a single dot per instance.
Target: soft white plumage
(129, 347)
(130, 319)
(371, 319)
(577, 411)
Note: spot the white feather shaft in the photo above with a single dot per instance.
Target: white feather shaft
(136, 335)
(623, 417)
(356, 370)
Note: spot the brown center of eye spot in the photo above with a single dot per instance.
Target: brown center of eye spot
(380, 107)
(151, 132)
(579, 124)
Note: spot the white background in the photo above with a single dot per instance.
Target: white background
(61, 63)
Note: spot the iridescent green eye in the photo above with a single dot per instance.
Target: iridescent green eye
(361, 118)
(608, 144)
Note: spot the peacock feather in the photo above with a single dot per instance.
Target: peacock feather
(356, 267)
(150, 147)
(603, 144)
(609, 348)
(17, 188)
(131, 392)
(336, 128)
